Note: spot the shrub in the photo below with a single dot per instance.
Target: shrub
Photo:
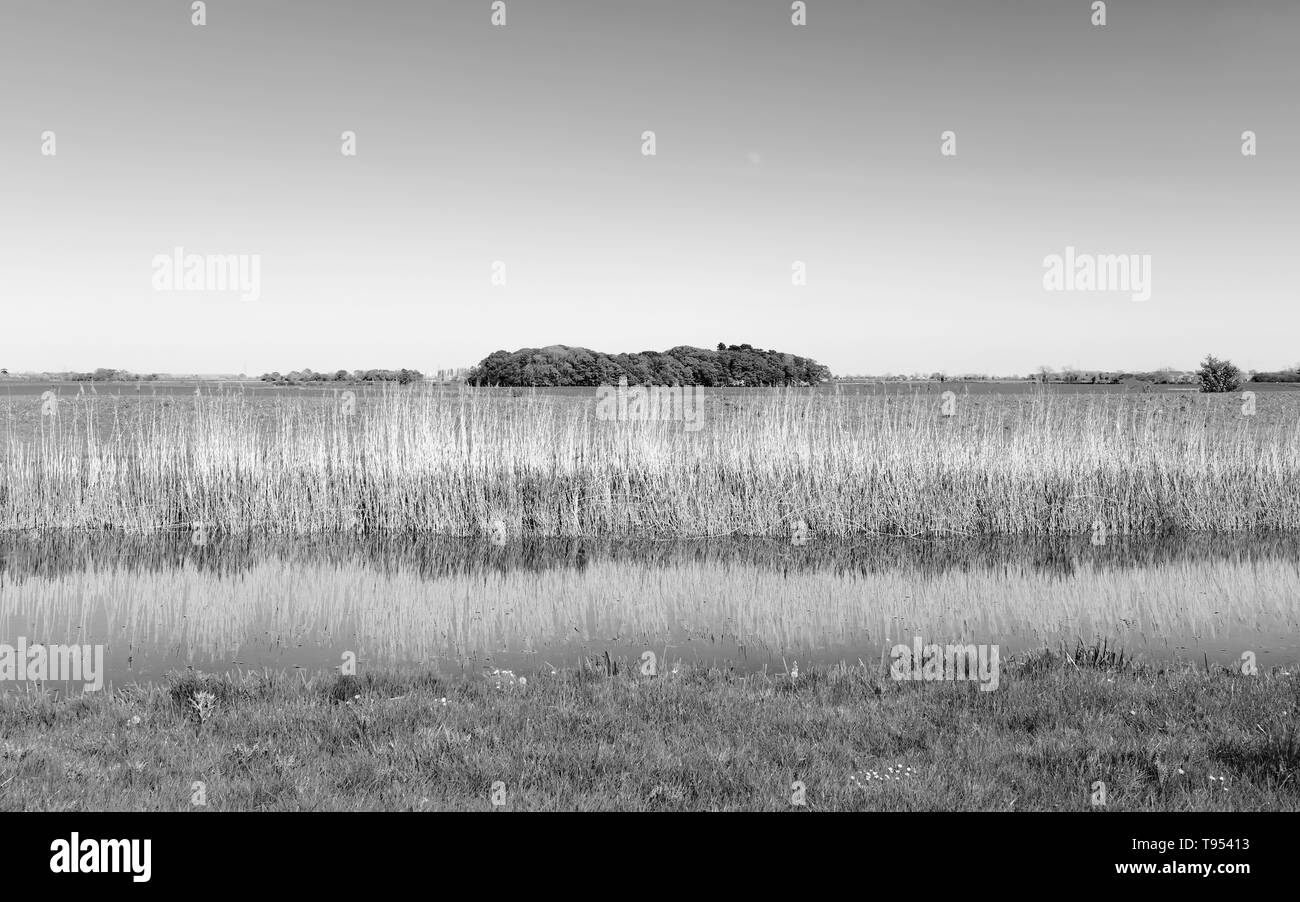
(1218, 375)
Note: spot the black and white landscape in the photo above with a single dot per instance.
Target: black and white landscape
(673, 406)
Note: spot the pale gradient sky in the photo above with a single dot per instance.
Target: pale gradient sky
(522, 144)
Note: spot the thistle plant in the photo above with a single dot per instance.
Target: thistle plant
(203, 704)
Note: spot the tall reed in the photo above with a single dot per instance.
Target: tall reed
(421, 459)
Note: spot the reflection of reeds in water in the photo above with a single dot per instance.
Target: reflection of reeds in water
(417, 460)
(42, 554)
(398, 617)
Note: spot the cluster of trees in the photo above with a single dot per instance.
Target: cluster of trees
(1214, 375)
(106, 374)
(1165, 376)
(683, 365)
(1291, 375)
(403, 376)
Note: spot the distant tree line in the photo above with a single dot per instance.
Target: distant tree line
(728, 365)
(402, 376)
(1291, 375)
(105, 374)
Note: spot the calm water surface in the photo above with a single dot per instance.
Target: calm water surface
(159, 604)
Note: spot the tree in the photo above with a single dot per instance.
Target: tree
(1218, 375)
(682, 365)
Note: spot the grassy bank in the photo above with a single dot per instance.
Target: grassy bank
(701, 739)
(490, 463)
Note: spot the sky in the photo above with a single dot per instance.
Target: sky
(522, 145)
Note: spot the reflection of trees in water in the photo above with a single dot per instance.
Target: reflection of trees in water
(50, 554)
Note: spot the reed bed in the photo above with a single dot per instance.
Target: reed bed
(479, 461)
